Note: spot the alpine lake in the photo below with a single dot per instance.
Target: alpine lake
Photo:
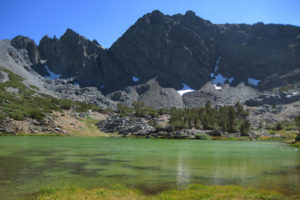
(29, 163)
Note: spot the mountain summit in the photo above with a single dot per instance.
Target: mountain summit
(179, 50)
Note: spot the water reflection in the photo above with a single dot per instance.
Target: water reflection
(183, 171)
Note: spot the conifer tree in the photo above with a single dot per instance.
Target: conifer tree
(231, 119)
(297, 121)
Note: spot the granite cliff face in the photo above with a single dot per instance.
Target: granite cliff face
(176, 49)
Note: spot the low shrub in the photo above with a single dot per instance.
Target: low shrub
(65, 104)
(278, 126)
(203, 136)
(36, 114)
(2, 117)
(17, 115)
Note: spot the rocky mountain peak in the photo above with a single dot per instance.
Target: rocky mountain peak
(190, 13)
(156, 16)
(69, 31)
(178, 49)
(22, 42)
(71, 36)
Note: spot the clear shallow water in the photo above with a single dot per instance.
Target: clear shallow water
(151, 165)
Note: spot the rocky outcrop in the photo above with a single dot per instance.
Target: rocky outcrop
(224, 95)
(274, 81)
(275, 98)
(29, 126)
(7, 126)
(151, 93)
(21, 42)
(271, 114)
(126, 126)
(3, 77)
(66, 90)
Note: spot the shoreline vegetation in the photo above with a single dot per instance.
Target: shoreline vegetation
(193, 191)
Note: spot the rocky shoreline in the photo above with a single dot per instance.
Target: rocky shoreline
(140, 127)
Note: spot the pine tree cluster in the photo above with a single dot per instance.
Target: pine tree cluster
(227, 118)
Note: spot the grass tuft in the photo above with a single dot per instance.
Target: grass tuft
(194, 191)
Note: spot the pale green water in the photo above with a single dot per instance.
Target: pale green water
(152, 165)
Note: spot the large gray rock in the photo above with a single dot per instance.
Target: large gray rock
(64, 89)
(226, 96)
(151, 93)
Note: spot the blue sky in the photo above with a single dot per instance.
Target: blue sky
(106, 20)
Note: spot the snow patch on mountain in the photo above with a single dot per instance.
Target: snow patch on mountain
(254, 82)
(135, 79)
(230, 80)
(185, 89)
(52, 75)
(217, 87)
(218, 78)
